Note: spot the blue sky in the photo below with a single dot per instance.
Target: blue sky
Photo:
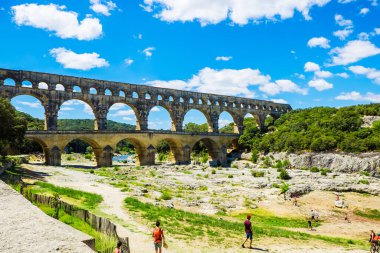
(306, 53)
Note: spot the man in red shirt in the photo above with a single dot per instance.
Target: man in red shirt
(248, 231)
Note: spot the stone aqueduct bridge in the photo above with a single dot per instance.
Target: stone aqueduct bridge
(53, 90)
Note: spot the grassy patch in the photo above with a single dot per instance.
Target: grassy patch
(368, 213)
(88, 200)
(191, 225)
(102, 241)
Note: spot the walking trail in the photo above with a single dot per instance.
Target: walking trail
(112, 205)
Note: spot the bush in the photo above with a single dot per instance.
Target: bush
(166, 195)
(363, 181)
(70, 158)
(314, 169)
(275, 185)
(88, 156)
(230, 176)
(92, 171)
(284, 175)
(257, 173)
(254, 156)
(213, 171)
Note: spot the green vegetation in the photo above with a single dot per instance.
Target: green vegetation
(283, 174)
(193, 127)
(368, 213)
(184, 224)
(12, 127)
(102, 241)
(86, 199)
(257, 173)
(316, 129)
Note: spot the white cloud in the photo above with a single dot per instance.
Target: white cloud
(54, 18)
(339, 19)
(72, 60)
(373, 2)
(223, 122)
(353, 51)
(30, 104)
(234, 82)
(128, 61)
(346, 23)
(279, 100)
(364, 11)
(238, 11)
(343, 34)
(155, 109)
(123, 113)
(320, 84)
(102, 7)
(67, 109)
(356, 96)
(148, 51)
(323, 74)
(117, 106)
(345, 1)
(343, 75)
(87, 109)
(300, 76)
(319, 42)
(370, 73)
(43, 86)
(377, 31)
(363, 36)
(129, 119)
(311, 67)
(223, 58)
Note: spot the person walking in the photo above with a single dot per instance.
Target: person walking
(248, 231)
(118, 248)
(158, 236)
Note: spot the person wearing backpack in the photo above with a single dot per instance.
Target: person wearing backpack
(158, 236)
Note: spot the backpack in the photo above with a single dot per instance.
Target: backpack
(157, 235)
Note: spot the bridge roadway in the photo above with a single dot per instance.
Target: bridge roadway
(104, 144)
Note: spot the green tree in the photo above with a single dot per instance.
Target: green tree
(12, 126)
(284, 189)
(193, 127)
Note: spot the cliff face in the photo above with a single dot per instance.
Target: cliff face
(336, 162)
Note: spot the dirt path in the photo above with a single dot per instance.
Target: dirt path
(112, 205)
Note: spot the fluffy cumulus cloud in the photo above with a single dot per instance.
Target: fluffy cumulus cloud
(320, 84)
(323, 74)
(238, 11)
(319, 42)
(353, 51)
(72, 60)
(356, 96)
(123, 113)
(234, 82)
(364, 11)
(223, 58)
(102, 7)
(55, 18)
(311, 67)
(370, 73)
(347, 27)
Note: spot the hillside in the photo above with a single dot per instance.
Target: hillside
(317, 129)
(74, 124)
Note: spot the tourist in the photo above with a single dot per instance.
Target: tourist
(248, 231)
(118, 248)
(158, 235)
(295, 201)
(309, 225)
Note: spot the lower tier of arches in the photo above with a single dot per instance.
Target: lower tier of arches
(104, 145)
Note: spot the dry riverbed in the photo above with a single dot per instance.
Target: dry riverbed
(225, 193)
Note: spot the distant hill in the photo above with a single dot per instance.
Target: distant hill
(74, 124)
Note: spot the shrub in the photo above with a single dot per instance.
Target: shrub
(365, 173)
(70, 158)
(235, 166)
(88, 156)
(325, 171)
(275, 185)
(92, 171)
(166, 195)
(257, 173)
(254, 156)
(213, 171)
(314, 169)
(363, 181)
(230, 176)
(267, 163)
(284, 175)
